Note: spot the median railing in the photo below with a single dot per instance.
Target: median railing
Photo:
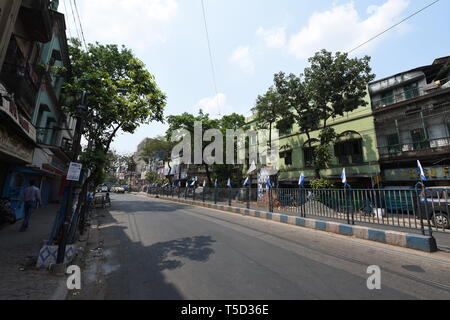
(394, 208)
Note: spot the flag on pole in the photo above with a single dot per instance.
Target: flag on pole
(268, 183)
(422, 174)
(252, 168)
(229, 183)
(301, 180)
(216, 184)
(246, 182)
(187, 184)
(204, 184)
(344, 177)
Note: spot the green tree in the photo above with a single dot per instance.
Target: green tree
(334, 85)
(121, 95)
(187, 121)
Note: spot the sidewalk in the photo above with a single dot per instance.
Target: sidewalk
(19, 278)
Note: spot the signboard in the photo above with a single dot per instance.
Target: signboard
(14, 146)
(74, 171)
(412, 174)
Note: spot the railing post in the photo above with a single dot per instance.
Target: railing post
(229, 197)
(249, 194)
(215, 195)
(203, 194)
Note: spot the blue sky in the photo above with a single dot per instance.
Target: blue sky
(253, 39)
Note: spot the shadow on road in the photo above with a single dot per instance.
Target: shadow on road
(131, 270)
(195, 249)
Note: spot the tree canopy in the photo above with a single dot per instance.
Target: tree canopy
(121, 95)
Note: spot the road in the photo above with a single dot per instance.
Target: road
(155, 249)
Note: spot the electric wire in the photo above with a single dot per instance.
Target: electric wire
(394, 26)
(211, 59)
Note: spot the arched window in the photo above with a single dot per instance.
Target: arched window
(349, 148)
(309, 148)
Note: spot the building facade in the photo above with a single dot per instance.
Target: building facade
(355, 150)
(412, 118)
(29, 98)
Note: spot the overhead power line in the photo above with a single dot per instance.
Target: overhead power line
(395, 25)
(65, 10)
(74, 20)
(81, 25)
(211, 59)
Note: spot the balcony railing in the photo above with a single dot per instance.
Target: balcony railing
(412, 94)
(417, 147)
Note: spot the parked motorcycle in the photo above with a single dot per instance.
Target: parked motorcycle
(7, 215)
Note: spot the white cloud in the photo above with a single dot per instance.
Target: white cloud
(342, 28)
(273, 38)
(135, 23)
(244, 58)
(216, 106)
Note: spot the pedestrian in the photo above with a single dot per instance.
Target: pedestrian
(32, 198)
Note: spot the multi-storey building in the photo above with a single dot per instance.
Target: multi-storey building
(36, 134)
(412, 118)
(355, 150)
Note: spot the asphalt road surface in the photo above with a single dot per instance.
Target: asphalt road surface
(156, 249)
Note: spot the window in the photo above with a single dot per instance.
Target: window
(349, 151)
(419, 139)
(411, 90)
(309, 157)
(393, 143)
(287, 156)
(387, 98)
(286, 130)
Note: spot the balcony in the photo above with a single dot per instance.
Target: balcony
(416, 150)
(35, 16)
(49, 137)
(23, 82)
(414, 94)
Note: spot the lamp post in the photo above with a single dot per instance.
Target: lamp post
(81, 108)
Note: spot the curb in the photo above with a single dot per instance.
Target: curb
(395, 238)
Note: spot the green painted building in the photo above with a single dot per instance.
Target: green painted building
(355, 149)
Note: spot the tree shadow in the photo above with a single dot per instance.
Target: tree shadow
(194, 248)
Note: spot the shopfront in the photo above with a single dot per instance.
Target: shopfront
(437, 176)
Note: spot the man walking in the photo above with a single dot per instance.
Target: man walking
(32, 197)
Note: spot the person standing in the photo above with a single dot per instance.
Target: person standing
(32, 197)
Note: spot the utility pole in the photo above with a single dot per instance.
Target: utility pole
(68, 208)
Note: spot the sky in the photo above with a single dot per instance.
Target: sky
(251, 40)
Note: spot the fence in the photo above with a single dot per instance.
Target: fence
(395, 208)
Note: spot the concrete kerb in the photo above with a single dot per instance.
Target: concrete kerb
(399, 239)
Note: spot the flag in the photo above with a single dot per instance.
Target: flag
(193, 183)
(246, 182)
(268, 183)
(422, 174)
(229, 183)
(301, 180)
(216, 184)
(344, 177)
(187, 184)
(204, 184)
(252, 167)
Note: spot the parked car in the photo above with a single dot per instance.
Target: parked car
(119, 190)
(438, 206)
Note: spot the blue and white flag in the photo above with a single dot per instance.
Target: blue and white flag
(301, 180)
(268, 183)
(204, 184)
(229, 183)
(246, 182)
(422, 174)
(187, 184)
(216, 184)
(344, 177)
